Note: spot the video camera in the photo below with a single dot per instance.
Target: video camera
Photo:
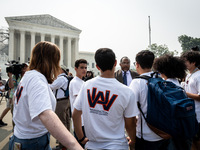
(14, 67)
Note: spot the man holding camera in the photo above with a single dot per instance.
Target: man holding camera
(15, 73)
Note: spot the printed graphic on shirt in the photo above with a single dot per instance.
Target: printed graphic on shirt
(19, 92)
(101, 98)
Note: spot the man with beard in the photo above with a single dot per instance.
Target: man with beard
(125, 75)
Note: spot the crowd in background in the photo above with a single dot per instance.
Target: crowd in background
(45, 97)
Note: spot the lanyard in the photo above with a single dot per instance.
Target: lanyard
(195, 70)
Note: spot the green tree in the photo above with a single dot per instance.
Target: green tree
(187, 42)
(160, 50)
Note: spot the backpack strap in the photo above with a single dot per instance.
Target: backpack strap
(154, 74)
(62, 88)
(139, 107)
(56, 93)
(69, 79)
(143, 77)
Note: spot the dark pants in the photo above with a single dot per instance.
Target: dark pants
(40, 143)
(63, 112)
(142, 144)
(179, 144)
(196, 141)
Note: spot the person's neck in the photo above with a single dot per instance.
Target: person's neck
(107, 74)
(194, 69)
(80, 77)
(141, 71)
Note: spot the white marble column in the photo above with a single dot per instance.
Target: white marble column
(69, 52)
(11, 44)
(76, 48)
(32, 40)
(42, 37)
(22, 46)
(53, 39)
(61, 50)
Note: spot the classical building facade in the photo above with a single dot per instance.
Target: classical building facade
(26, 31)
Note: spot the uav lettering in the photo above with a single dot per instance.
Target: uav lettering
(99, 98)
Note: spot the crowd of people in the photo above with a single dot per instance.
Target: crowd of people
(45, 97)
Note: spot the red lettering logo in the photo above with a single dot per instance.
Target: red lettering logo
(19, 92)
(99, 98)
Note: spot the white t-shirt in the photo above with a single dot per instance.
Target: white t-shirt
(2, 87)
(74, 88)
(60, 82)
(192, 85)
(140, 88)
(174, 80)
(104, 103)
(33, 96)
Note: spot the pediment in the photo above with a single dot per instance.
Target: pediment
(47, 20)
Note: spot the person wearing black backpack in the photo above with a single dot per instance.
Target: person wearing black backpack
(146, 139)
(60, 87)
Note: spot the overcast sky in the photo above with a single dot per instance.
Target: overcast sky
(121, 25)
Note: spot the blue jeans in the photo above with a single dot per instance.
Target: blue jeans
(142, 144)
(40, 143)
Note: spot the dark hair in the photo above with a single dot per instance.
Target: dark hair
(125, 57)
(45, 58)
(170, 66)
(89, 77)
(80, 61)
(92, 75)
(105, 58)
(196, 48)
(192, 57)
(145, 58)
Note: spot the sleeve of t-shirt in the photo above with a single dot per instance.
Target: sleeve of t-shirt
(134, 87)
(198, 86)
(76, 88)
(59, 83)
(131, 109)
(79, 99)
(38, 98)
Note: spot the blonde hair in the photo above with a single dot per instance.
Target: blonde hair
(45, 58)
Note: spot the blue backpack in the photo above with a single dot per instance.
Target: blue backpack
(170, 113)
(69, 78)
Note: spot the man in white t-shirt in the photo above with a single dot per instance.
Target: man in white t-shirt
(107, 106)
(192, 85)
(76, 83)
(63, 105)
(146, 139)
